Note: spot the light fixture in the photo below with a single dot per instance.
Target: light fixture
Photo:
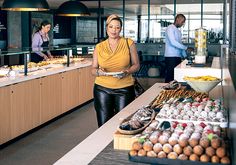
(73, 8)
(25, 5)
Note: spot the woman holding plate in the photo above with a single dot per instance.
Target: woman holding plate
(114, 61)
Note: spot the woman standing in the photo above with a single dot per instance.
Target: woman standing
(39, 41)
(112, 92)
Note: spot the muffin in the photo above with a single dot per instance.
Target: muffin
(157, 147)
(178, 149)
(194, 157)
(188, 150)
(167, 148)
(172, 155)
(161, 154)
(204, 158)
(147, 146)
(215, 159)
(137, 146)
(198, 150)
(182, 157)
(210, 151)
(221, 152)
(183, 142)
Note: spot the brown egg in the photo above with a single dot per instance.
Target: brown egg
(215, 159)
(204, 142)
(188, 150)
(142, 152)
(178, 149)
(204, 158)
(137, 146)
(215, 142)
(193, 142)
(210, 151)
(133, 152)
(183, 157)
(225, 160)
(194, 157)
(147, 146)
(151, 154)
(183, 142)
(157, 147)
(172, 155)
(221, 152)
(198, 150)
(167, 148)
(173, 141)
(161, 154)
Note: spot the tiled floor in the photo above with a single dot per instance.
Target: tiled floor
(51, 142)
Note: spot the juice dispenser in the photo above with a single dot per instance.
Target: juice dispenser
(200, 45)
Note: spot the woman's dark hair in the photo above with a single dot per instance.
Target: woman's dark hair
(44, 23)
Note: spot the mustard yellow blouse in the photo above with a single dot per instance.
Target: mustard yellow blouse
(116, 61)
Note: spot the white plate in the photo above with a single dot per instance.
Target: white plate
(113, 73)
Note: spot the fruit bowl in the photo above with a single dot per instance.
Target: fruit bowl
(203, 86)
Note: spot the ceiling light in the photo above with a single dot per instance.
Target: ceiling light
(73, 8)
(25, 5)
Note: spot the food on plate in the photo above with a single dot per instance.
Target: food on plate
(210, 151)
(221, 152)
(167, 148)
(204, 142)
(161, 154)
(201, 78)
(215, 159)
(188, 150)
(225, 160)
(215, 142)
(147, 146)
(178, 149)
(142, 152)
(193, 142)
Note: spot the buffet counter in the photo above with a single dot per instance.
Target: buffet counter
(30, 101)
(98, 148)
(213, 69)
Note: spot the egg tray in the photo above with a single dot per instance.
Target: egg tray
(166, 161)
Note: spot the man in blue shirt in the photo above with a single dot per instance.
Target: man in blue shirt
(174, 49)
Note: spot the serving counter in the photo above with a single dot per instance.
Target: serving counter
(98, 148)
(29, 101)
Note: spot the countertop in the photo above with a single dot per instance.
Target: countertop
(42, 73)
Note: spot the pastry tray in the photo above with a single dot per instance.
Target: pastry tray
(166, 161)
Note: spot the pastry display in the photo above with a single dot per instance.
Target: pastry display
(137, 122)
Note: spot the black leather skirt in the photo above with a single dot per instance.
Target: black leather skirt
(108, 102)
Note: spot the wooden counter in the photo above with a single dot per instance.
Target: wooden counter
(29, 101)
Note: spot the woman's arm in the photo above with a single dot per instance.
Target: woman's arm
(96, 71)
(135, 65)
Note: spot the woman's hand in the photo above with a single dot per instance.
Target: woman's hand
(100, 72)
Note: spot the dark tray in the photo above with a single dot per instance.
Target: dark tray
(166, 161)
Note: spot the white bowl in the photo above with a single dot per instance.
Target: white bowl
(203, 86)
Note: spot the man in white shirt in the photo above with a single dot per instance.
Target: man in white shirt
(174, 48)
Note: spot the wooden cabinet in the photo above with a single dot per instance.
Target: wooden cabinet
(5, 112)
(70, 90)
(51, 95)
(25, 107)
